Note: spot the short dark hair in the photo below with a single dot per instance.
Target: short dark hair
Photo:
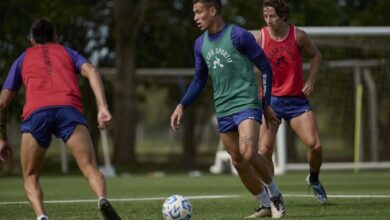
(43, 30)
(281, 8)
(211, 3)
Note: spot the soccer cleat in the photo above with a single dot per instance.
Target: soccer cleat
(107, 210)
(277, 207)
(260, 213)
(318, 190)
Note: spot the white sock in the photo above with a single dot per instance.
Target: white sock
(100, 199)
(272, 188)
(263, 199)
(42, 216)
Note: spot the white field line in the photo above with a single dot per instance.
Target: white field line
(199, 197)
(124, 199)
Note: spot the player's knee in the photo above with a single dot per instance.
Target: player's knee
(99, 175)
(235, 163)
(30, 181)
(241, 165)
(86, 163)
(30, 173)
(315, 147)
(91, 171)
(31, 177)
(251, 156)
(266, 152)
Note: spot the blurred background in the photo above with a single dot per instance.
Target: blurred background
(144, 51)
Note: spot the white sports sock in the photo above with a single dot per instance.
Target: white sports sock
(43, 217)
(272, 188)
(263, 198)
(100, 199)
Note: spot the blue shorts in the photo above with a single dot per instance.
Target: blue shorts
(59, 121)
(231, 122)
(289, 107)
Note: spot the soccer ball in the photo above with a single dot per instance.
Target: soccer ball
(177, 207)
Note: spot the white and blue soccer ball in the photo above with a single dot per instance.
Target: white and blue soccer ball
(177, 207)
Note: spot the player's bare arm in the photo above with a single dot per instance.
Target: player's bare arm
(5, 149)
(95, 81)
(176, 117)
(308, 47)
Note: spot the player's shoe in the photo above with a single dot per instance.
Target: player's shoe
(260, 212)
(107, 210)
(318, 190)
(277, 207)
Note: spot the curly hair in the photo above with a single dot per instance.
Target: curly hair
(280, 6)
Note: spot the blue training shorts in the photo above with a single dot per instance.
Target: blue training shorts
(59, 121)
(289, 107)
(231, 122)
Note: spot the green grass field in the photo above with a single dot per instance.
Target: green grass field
(365, 195)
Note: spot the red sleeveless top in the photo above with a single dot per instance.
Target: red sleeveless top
(49, 76)
(286, 61)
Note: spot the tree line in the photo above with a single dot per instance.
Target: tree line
(131, 34)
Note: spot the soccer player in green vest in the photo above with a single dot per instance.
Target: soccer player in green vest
(227, 53)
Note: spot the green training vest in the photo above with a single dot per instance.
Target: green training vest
(232, 75)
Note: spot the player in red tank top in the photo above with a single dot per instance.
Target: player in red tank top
(283, 44)
(59, 78)
(53, 106)
(286, 60)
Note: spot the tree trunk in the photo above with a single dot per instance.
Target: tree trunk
(128, 17)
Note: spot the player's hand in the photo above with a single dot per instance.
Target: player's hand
(308, 88)
(176, 117)
(104, 117)
(271, 121)
(5, 150)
